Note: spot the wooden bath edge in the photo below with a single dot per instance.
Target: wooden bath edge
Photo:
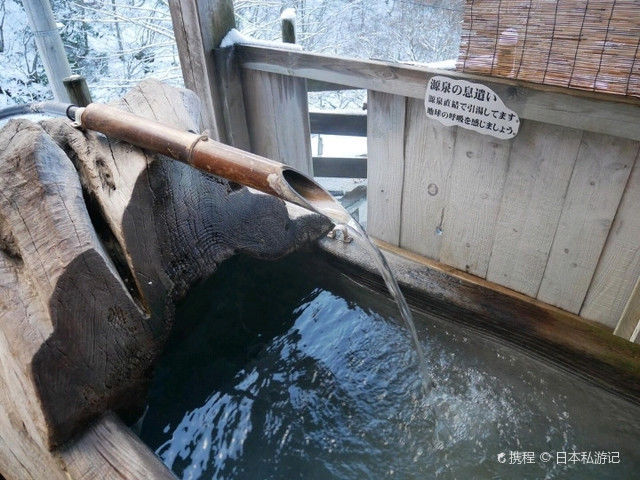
(576, 345)
(108, 449)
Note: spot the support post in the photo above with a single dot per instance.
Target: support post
(49, 45)
(199, 27)
(288, 25)
(77, 90)
(629, 324)
(231, 97)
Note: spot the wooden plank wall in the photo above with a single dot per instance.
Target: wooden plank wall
(385, 135)
(278, 118)
(553, 213)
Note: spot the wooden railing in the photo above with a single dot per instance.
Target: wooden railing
(590, 111)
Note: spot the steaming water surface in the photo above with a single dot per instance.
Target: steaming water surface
(290, 370)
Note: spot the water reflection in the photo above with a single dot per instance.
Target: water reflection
(314, 380)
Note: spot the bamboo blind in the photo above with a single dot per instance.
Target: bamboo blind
(586, 44)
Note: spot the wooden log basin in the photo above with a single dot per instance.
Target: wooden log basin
(99, 240)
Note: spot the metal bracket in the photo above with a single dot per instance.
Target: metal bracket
(340, 231)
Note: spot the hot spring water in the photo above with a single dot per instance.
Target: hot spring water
(291, 370)
(324, 203)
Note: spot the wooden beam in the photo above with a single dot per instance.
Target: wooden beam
(199, 27)
(77, 89)
(594, 112)
(619, 263)
(278, 118)
(49, 45)
(340, 167)
(591, 201)
(318, 86)
(330, 123)
(385, 146)
(108, 449)
(541, 161)
(428, 156)
(288, 25)
(474, 192)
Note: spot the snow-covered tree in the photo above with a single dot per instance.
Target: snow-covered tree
(115, 43)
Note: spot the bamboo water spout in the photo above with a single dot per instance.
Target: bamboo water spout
(211, 156)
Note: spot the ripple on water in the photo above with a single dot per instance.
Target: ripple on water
(332, 391)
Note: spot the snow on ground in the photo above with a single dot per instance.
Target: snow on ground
(339, 146)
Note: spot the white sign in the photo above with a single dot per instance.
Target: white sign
(469, 105)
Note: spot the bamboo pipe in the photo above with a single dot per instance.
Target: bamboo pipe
(211, 156)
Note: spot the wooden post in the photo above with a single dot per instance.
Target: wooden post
(288, 24)
(231, 97)
(199, 27)
(629, 325)
(77, 90)
(49, 45)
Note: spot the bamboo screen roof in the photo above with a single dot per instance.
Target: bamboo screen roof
(584, 44)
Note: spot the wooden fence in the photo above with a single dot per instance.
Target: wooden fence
(553, 213)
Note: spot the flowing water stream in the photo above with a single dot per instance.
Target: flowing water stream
(392, 284)
(324, 203)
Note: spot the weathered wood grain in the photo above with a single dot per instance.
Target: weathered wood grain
(109, 450)
(23, 451)
(278, 118)
(619, 264)
(199, 27)
(540, 165)
(428, 160)
(475, 190)
(598, 180)
(60, 376)
(385, 165)
(231, 97)
(98, 239)
(601, 113)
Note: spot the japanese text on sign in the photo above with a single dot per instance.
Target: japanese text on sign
(469, 105)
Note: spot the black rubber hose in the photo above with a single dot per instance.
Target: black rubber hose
(52, 108)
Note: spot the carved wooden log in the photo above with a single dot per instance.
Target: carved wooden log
(97, 241)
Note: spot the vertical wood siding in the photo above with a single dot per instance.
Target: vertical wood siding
(385, 163)
(278, 118)
(552, 213)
